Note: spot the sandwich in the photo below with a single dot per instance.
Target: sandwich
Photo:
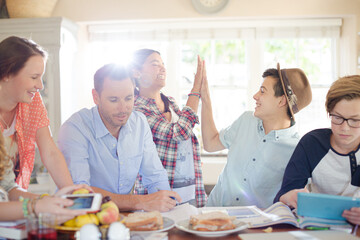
(144, 221)
(212, 221)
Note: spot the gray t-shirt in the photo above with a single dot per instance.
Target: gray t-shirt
(184, 177)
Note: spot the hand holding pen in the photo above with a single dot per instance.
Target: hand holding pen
(162, 200)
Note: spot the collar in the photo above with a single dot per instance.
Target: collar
(100, 128)
(277, 134)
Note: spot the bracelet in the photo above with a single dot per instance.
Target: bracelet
(25, 202)
(197, 94)
(30, 208)
(33, 206)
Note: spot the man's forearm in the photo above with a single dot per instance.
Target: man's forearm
(210, 134)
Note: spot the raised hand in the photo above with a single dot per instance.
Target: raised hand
(198, 76)
(205, 93)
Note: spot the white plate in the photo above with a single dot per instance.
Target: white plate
(185, 226)
(167, 224)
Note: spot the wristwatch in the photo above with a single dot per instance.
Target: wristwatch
(209, 6)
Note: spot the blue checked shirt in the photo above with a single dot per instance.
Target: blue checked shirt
(97, 158)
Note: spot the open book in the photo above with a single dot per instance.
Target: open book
(277, 213)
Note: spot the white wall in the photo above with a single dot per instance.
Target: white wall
(95, 10)
(112, 10)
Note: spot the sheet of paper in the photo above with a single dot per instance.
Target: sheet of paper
(299, 235)
(181, 212)
(149, 236)
(187, 193)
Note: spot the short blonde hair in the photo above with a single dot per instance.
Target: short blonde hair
(344, 88)
(4, 158)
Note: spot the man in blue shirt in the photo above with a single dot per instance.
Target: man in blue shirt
(260, 143)
(107, 146)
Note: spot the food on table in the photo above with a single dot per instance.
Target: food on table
(109, 213)
(81, 191)
(212, 221)
(144, 221)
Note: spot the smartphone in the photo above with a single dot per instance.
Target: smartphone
(90, 202)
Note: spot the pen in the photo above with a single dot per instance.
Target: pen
(317, 228)
(355, 230)
(173, 198)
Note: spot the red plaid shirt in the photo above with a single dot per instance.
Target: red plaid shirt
(166, 136)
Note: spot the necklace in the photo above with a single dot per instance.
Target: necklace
(2, 119)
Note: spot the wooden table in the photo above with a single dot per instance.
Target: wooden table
(176, 234)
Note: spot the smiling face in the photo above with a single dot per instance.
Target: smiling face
(267, 104)
(115, 103)
(28, 81)
(153, 72)
(345, 138)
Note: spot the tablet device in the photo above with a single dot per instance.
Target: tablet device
(89, 202)
(324, 205)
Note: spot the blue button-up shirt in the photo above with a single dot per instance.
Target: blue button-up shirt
(255, 165)
(97, 158)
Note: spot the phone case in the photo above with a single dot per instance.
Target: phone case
(324, 205)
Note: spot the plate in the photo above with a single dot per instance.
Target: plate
(168, 224)
(185, 226)
(74, 229)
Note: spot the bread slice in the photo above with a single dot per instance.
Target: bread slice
(212, 221)
(144, 221)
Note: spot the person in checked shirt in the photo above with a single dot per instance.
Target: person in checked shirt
(172, 128)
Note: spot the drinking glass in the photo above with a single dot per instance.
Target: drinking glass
(41, 227)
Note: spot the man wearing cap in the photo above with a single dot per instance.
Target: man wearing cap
(260, 143)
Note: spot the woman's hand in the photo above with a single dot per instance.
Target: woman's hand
(70, 189)
(352, 215)
(290, 198)
(198, 76)
(57, 206)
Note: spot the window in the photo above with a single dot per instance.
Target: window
(227, 72)
(316, 57)
(236, 54)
